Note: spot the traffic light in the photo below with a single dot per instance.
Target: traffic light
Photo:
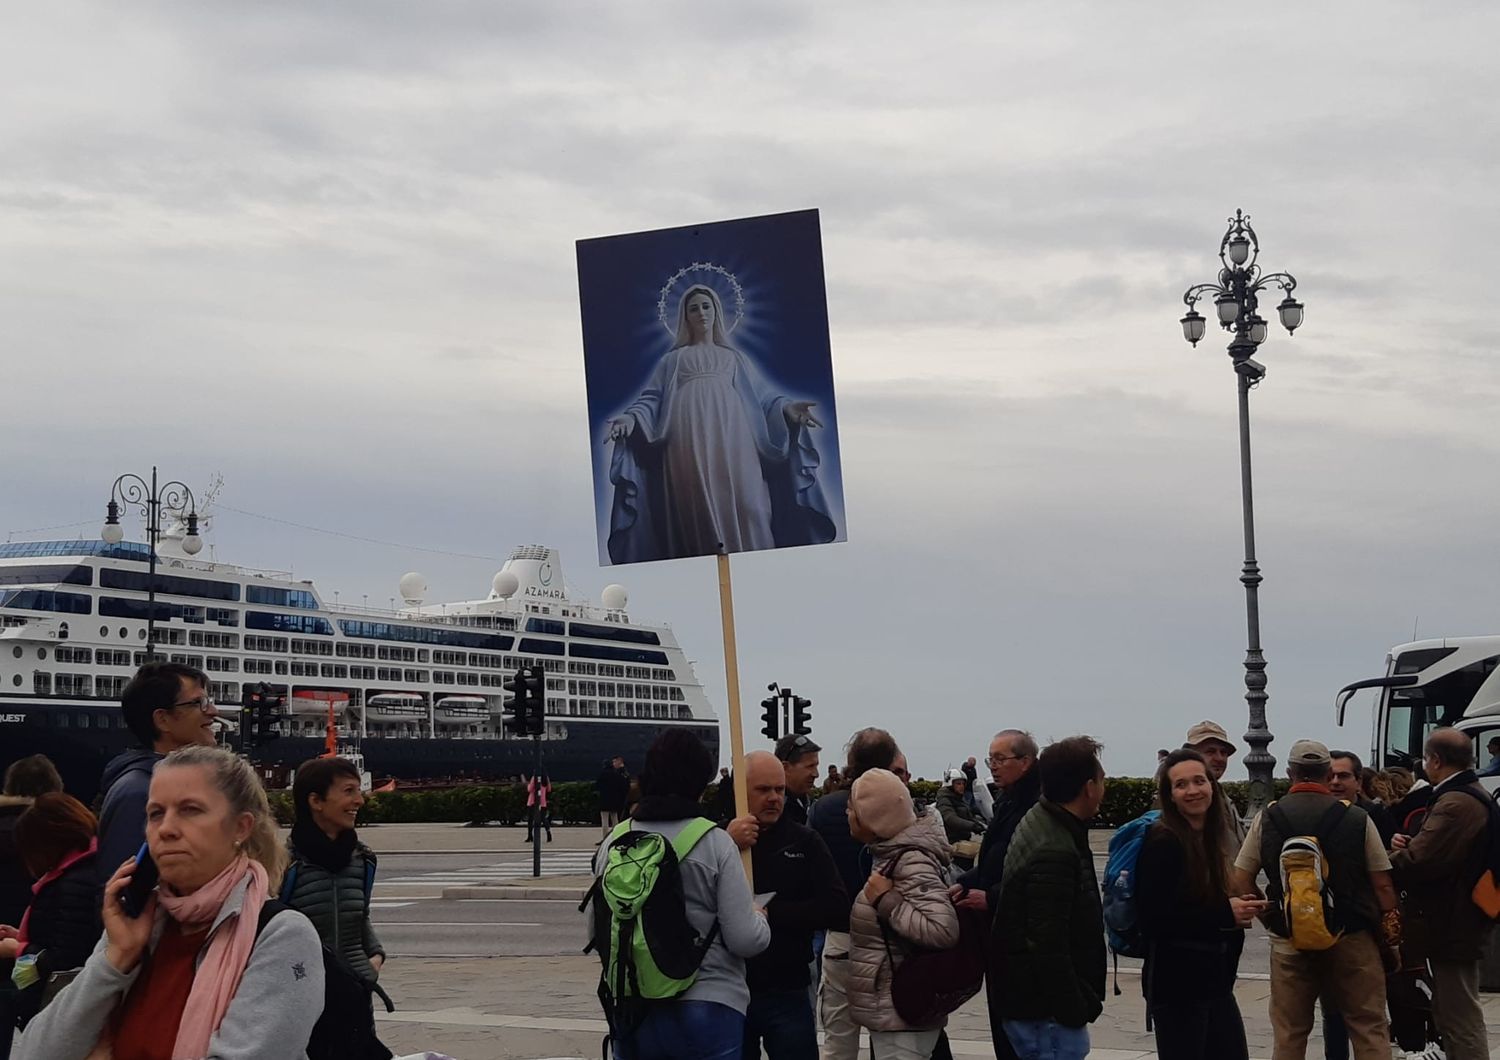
(260, 710)
(270, 715)
(536, 699)
(801, 716)
(770, 712)
(515, 704)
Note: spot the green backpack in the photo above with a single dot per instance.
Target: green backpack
(647, 949)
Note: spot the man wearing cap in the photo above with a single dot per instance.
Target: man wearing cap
(1351, 973)
(1210, 740)
(800, 757)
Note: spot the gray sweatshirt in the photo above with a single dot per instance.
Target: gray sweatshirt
(271, 1017)
(715, 889)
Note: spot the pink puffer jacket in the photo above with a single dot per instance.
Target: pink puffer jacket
(916, 911)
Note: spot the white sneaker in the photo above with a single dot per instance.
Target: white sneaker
(1432, 1052)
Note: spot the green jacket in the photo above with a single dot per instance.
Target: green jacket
(337, 906)
(1049, 929)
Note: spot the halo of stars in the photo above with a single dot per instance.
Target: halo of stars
(701, 266)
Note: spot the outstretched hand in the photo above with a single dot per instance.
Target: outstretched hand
(799, 414)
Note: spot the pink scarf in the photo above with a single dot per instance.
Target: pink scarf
(36, 888)
(219, 973)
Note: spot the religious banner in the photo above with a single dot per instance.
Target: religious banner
(712, 425)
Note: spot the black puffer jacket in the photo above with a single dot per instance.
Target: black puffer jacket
(337, 906)
(15, 881)
(959, 821)
(64, 927)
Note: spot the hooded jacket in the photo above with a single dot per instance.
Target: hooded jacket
(959, 819)
(122, 815)
(271, 1016)
(915, 914)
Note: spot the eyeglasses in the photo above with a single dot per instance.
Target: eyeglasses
(1000, 760)
(1342, 776)
(203, 703)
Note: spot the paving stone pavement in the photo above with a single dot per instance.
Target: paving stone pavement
(530, 1008)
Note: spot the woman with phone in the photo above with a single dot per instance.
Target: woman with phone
(1194, 927)
(196, 973)
(55, 842)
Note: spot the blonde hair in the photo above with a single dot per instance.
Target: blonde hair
(237, 782)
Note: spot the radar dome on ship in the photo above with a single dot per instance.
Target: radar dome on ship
(615, 597)
(505, 584)
(413, 587)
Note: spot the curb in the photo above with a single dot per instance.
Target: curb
(530, 894)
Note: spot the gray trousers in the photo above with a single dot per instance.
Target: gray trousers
(1456, 1011)
(840, 1032)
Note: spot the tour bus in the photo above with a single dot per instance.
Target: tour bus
(1430, 683)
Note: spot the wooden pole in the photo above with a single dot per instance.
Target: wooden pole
(732, 678)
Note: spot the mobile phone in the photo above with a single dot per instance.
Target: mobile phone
(142, 882)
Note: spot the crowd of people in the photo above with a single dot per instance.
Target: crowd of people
(873, 883)
(178, 923)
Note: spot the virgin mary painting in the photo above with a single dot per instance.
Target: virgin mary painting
(710, 457)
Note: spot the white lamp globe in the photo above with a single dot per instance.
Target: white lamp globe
(113, 533)
(192, 544)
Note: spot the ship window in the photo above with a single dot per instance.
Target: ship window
(58, 574)
(545, 625)
(16, 680)
(541, 647)
(278, 623)
(46, 600)
(634, 636)
(18, 651)
(279, 597)
(609, 651)
(171, 584)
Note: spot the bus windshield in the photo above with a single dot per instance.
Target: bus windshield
(1411, 713)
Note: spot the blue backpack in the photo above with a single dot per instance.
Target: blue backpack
(1120, 923)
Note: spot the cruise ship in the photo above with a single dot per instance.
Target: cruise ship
(417, 689)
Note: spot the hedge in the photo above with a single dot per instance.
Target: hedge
(576, 803)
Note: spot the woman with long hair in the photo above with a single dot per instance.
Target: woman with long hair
(196, 973)
(710, 456)
(1194, 928)
(538, 791)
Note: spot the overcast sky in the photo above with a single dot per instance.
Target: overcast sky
(328, 252)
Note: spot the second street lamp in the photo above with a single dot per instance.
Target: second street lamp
(1236, 298)
(151, 498)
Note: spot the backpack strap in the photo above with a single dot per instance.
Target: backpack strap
(267, 911)
(691, 833)
(1279, 819)
(289, 883)
(1329, 822)
(369, 877)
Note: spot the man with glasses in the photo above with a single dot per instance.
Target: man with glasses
(1012, 762)
(800, 757)
(166, 706)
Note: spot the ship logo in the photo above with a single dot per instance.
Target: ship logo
(545, 573)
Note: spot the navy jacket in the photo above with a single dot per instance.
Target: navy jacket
(122, 815)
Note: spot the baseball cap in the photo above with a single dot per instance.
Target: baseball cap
(1309, 753)
(1209, 730)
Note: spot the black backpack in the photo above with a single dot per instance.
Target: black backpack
(346, 1028)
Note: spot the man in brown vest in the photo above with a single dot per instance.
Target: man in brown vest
(1351, 973)
(1438, 867)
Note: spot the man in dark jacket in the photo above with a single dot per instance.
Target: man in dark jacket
(166, 706)
(867, 749)
(1012, 762)
(1351, 972)
(792, 861)
(1050, 923)
(1343, 783)
(613, 786)
(1437, 867)
(800, 757)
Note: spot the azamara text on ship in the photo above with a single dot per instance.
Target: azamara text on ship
(419, 688)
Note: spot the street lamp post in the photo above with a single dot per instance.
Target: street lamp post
(151, 498)
(1236, 304)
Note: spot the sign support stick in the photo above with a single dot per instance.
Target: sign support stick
(732, 679)
(536, 811)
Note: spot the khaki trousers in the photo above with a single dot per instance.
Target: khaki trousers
(1350, 976)
(840, 1032)
(1456, 1011)
(902, 1045)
